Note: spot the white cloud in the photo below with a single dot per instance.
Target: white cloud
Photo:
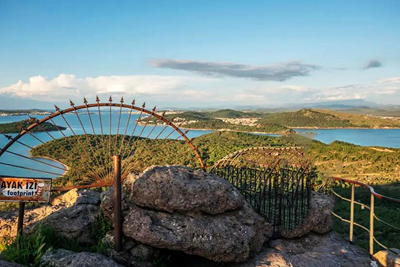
(342, 97)
(297, 88)
(192, 91)
(69, 86)
(390, 80)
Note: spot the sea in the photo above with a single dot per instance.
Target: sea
(364, 137)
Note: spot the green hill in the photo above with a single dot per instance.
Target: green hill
(230, 113)
(305, 118)
(15, 127)
(190, 115)
(217, 124)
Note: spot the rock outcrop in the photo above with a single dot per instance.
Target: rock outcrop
(66, 258)
(176, 208)
(71, 215)
(313, 250)
(9, 264)
(178, 189)
(133, 253)
(318, 220)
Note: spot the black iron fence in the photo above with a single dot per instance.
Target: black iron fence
(279, 194)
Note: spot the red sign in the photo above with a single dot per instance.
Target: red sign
(16, 189)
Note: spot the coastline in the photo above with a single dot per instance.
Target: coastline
(237, 131)
(48, 158)
(345, 128)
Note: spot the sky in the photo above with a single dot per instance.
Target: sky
(199, 53)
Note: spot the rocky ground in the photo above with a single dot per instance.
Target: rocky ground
(173, 216)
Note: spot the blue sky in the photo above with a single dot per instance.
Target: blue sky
(199, 53)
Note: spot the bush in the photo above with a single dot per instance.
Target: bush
(27, 249)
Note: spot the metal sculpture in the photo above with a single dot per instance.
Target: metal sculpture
(277, 182)
(93, 143)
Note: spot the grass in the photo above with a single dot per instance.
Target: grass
(100, 228)
(27, 249)
(384, 210)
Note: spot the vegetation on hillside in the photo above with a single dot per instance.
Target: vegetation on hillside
(15, 127)
(230, 113)
(305, 118)
(372, 165)
(279, 122)
(366, 121)
(387, 211)
(217, 124)
(23, 111)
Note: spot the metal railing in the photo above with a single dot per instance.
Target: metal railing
(372, 215)
(279, 194)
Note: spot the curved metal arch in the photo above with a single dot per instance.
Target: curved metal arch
(73, 109)
(142, 109)
(295, 152)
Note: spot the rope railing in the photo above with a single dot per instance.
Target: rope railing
(372, 215)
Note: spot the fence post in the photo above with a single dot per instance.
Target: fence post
(117, 203)
(371, 226)
(21, 212)
(352, 212)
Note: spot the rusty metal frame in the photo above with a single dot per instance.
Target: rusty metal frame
(371, 207)
(86, 150)
(276, 181)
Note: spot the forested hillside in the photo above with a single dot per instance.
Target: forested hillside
(312, 118)
(305, 118)
(15, 127)
(367, 164)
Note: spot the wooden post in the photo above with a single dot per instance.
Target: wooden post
(21, 212)
(371, 226)
(352, 212)
(117, 203)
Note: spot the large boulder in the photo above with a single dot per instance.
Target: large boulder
(318, 220)
(76, 217)
(175, 189)
(190, 211)
(71, 214)
(75, 222)
(66, 258)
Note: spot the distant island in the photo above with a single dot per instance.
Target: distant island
(15, 127)
(20, 112)
(276, 122)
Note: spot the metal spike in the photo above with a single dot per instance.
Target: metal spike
(163, 114)
(71, 103)
(97, 99)
(85, 101)
(144, 105)
(7, 136)
(57, 108)
(122, 100)
(110, 99)
(154, 109)
(186, 131)
(133, 102)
